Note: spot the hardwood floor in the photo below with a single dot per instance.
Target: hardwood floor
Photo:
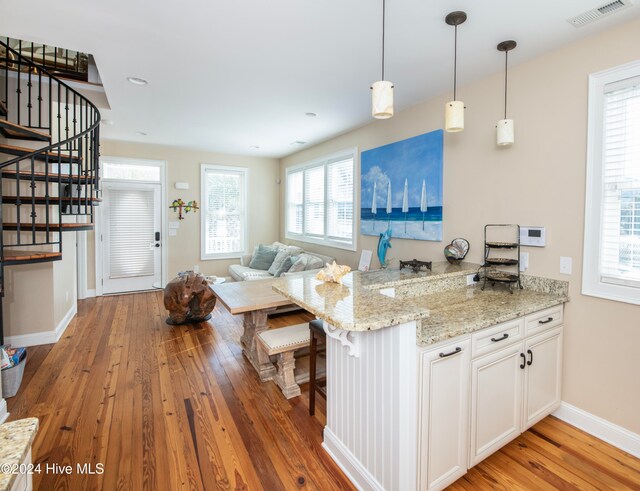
(178, 407)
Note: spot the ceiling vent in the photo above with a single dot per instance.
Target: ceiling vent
(598, 13)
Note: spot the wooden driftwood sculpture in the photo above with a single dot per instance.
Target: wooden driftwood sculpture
(188, 299)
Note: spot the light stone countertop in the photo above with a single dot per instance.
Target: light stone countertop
(441, 303)
(15, 440)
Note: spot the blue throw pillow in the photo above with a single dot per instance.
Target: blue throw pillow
(263, 257)
(284, 266)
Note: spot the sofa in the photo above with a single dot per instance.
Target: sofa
(300, 261)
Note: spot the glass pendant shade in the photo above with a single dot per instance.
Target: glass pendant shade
(504, 133)
(382, 99)
(454, 116)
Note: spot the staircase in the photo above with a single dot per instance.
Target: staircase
(49, 157)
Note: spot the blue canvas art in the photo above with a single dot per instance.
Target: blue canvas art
(402, 188)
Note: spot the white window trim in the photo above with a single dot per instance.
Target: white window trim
(325, 240)
(230, 255)
(592, 284)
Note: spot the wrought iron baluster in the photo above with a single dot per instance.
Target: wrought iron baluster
(32, 185)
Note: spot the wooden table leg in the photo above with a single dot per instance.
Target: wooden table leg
(285, 378)
(254, 323)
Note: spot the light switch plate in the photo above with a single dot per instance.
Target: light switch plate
(524, 261)
(565, 265)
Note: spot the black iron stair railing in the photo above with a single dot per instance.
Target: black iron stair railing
(66, 167)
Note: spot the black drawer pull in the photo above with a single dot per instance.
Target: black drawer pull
(530, 353)
(524, 359)
(549, 319)
(455, 351)
(504, 336)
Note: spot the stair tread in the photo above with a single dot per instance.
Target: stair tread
(13, 255)
(20, 151)
(41, 176)
(13, 130)
(3, 109)
(52, 199)
(53, 227)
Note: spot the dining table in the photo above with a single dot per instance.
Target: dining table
(255, 300)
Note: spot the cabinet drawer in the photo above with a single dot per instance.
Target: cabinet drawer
(497, 337)
(543, 320)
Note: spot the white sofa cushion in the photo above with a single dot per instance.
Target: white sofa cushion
(243, 273)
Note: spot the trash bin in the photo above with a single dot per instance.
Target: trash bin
(12, 378)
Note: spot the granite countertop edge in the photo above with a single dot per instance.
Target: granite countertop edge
(16, 438)
(470, 328)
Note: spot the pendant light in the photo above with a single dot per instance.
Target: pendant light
(504, 127)
(454, 110)
(382, 91)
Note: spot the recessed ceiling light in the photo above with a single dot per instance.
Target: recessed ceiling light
(298, 142)
(311, 115)
(141, 133)
(137, 81)
(108, 122)
(255, 147)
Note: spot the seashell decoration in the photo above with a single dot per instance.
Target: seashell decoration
(333, 273)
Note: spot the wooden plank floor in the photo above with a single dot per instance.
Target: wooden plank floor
(179, 407)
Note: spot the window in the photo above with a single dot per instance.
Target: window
(612, 225)
(224, 211)
(319, 201)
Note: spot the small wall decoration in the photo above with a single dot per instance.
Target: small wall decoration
(401, 188)
(179, 205)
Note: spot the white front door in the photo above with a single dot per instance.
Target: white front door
(131, 245)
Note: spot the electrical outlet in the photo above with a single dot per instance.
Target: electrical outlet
(472, 279)
(565, 265)
(196, 268)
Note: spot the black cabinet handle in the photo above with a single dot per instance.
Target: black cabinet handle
(530, 353)
(455, 351)
(504, 336)
(524, 359)
(549, 319)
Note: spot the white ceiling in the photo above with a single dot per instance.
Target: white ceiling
(227, 75)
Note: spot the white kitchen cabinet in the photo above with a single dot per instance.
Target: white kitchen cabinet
(496, 401)
(515, 387)
(542, 376)
(444, 414)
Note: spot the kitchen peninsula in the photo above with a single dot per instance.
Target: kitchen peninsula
(427, 376)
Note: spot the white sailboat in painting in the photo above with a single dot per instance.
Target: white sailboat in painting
(423, 201)
(374, 208)
(389, 209)
(405, 203)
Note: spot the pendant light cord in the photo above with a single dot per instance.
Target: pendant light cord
(455, 62)
(383, 19)
(506, 61)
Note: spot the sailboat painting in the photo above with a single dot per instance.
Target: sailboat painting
(410, 171)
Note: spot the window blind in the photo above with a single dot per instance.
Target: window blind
(340, 199)
(131, 232)
(620, 226)
(295, 194)
(319, 201)
(224, 212)
(314, 200)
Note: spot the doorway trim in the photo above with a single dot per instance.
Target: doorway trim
(164, 218)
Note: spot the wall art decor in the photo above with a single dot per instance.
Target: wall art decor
(401, 188)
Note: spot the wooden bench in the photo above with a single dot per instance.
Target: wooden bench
(283, 343)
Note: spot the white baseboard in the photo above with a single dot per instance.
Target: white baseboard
(3, 410)
(90, 293)
(600, 428)
(46, 337)
(354, 470)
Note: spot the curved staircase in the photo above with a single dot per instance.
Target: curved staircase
(49, 158)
